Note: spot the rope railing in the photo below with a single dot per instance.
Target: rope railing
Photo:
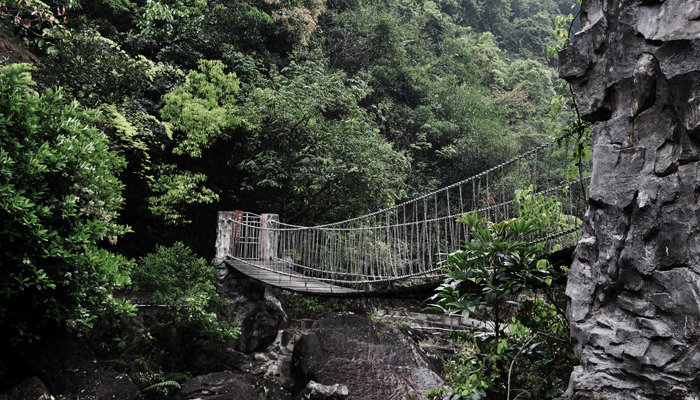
(412, 239)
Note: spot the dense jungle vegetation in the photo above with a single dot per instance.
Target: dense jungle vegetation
(135, 121)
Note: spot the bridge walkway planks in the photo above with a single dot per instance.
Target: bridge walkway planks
(277, 274)
(300, 284)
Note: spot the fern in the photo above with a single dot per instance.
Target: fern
(163, 386)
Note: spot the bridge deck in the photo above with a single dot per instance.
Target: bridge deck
(280, 275)
(297, 283)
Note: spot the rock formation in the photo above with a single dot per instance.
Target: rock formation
(259, 313)
(374, 361)
(635, 283)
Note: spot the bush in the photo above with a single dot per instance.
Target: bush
(59, 196)
(509, 283)
(184, 283)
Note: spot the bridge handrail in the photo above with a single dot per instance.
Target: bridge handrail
(381, 279)
(471, 178)
(292, 227)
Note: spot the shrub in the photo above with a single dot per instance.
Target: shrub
(508, 282)
(59, 196)
(184, 283)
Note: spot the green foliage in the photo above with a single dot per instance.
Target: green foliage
(299, 306)
(27, 18)
(365, 101)
(203, 109)
(575, 129)
(316, 145)
(546, 210)
(446, 89)
(562, 31)
(437, 84)
(200, 112)
(505, 281)
(159, 16)
(59, 197)
(146, 369)
(175, 191)
(163, 388)
(184, 283)
(91, 68)
(495, 261)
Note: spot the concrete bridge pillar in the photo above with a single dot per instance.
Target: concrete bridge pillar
(225, 232)
(268, 238)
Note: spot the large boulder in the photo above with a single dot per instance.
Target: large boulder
(374, 361)
(635, 282)
(29, 389)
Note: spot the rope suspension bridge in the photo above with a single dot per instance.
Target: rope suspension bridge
(402, 246)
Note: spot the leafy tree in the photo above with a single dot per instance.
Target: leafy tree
(91, 68)
(442, 82)
(203, 109)
(59, 200)
(317, 145)
(199, 113)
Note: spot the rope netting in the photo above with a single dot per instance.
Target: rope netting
(411, 240)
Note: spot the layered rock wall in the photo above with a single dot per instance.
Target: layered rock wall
(635, 283)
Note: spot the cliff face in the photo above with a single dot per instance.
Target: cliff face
(635, 282)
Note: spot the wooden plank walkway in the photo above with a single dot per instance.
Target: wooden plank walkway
(298, 283)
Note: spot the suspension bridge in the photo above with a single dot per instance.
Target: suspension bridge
(405, 245)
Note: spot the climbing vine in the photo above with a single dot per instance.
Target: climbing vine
(577, 133)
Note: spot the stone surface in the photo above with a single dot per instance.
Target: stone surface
(634, 285)
(259, 313)
(374, 361)
(219, 386)
(30, 389)
(98, 384)
(316, 391)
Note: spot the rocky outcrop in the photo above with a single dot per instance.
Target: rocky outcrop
(259, 314)
(635, 283)
(374, 361)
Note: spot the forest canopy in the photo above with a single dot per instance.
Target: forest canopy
(312, 109)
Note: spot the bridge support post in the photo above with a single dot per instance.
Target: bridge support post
(226, 231)
(268, 238)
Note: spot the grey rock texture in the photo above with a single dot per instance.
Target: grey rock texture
(219, 386)
(374, 361)
(316, 391)
(635, 282)
(259, 313)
